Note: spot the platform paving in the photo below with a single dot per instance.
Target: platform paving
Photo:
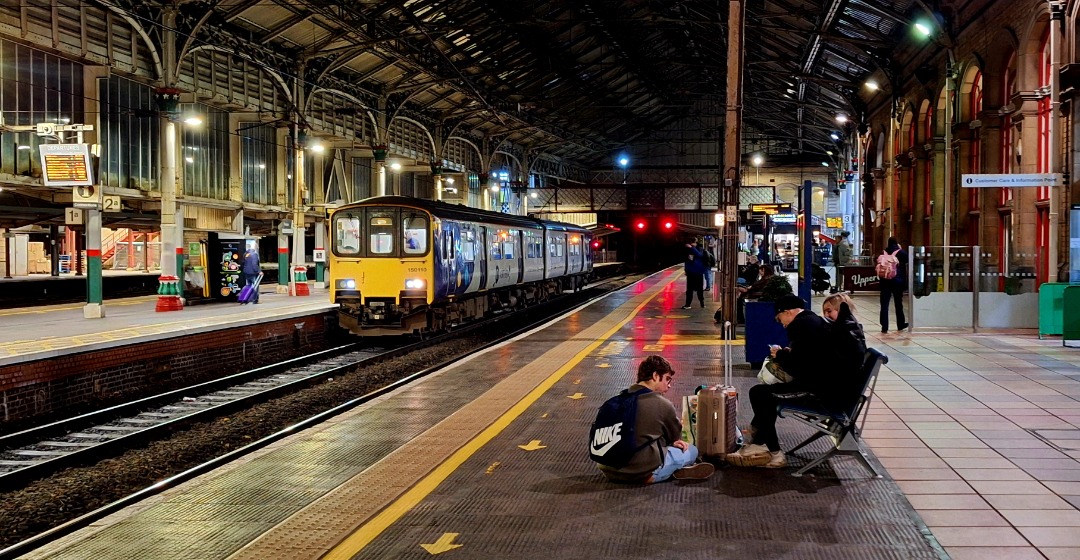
(982, 433)
(32, 333)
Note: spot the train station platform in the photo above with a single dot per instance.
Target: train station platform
(42, 332)
(487, 459)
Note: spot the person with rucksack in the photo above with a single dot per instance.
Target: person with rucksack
(710, 264)
(892, 275)
(636, 437)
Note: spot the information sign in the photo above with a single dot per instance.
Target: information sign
(319, 255)
(1009, 180)
(772, 209)
(111, 203)
(834, 222)
(65, 165)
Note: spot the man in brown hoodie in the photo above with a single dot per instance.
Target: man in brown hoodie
(661, 454)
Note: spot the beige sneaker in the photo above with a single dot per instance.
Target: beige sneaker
(749, 456)
(753, 449)
(776, 461)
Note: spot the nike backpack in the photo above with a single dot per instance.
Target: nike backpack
(611, 439)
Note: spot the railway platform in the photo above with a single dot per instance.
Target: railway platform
(976, 435)
(50, 331)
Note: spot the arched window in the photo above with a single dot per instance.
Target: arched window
(1042, 214)
(1008, 147)
(928, 171)
(975, 102)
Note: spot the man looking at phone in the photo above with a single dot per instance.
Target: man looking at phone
(809, 359)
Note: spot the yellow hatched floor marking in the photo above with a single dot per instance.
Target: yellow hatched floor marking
(369, 531)
(697, 340)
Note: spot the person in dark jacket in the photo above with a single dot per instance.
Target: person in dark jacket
(695, 268)
(657, 422)
(894, 288)
(251, 269)
(810, 359)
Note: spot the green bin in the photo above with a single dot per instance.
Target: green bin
(1071, 317)
(1051, 308)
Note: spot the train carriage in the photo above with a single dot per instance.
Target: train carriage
(403, 265)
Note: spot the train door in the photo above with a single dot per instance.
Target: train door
(482, 253)
(518, 238)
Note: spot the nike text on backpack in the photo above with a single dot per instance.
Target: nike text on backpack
(611, 440)
(886, 265)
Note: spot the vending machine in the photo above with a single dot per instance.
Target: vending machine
(225, 259)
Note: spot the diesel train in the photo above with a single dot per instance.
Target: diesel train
(402, 265)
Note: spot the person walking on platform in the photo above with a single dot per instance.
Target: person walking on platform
(892, 274)
(660, 453)
(695, 268)
(251, 269)
(842, 258)
(710, 263)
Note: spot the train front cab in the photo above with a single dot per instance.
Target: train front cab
(383, 268)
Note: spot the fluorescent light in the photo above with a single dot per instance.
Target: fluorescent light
(872, 85)
(824, 164)
(317, 147)
(841, 118)
(193, 120)
(922, 28)
(395, 166)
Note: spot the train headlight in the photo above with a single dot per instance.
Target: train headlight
(346, 284)
(414, 284)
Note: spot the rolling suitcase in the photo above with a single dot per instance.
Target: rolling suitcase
(247, 293)
(716, 410)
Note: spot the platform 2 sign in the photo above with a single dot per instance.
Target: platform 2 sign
(859, 279)
(65, 165)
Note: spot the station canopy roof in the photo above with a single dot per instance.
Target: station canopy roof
(579, 79)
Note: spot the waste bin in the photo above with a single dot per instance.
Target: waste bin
(1070, 331)
(1051, 308)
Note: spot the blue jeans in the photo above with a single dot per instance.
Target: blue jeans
(674, 459)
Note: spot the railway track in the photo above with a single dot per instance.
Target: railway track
(157, 418)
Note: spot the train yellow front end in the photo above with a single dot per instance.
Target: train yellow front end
(382, 271)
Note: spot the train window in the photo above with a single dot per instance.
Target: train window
(416, 230)
(468, 250)
(347, 234)
(380, 235)
(560, 247)
(508, 246)
(496, 245)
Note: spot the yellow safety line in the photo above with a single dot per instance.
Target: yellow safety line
(369, 531)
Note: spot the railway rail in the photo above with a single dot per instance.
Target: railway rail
(64, 444)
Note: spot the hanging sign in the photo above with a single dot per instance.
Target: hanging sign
(1010, 180)
(834, 222)
(772, 209)
(65, 165)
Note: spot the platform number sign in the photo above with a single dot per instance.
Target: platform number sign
(86, 196)
(111, 203)
(73, 217)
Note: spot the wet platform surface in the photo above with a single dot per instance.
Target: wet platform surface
(487, 459)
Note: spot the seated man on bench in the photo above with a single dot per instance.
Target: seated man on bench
(823, 361)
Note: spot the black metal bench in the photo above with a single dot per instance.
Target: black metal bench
(844, 428)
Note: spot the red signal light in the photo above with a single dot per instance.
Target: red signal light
(596, 244)
(640, 225)
(668, 225)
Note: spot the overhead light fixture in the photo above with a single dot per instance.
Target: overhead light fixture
(623, 161)
(395, 166)
(262, 166)
(532, 195)
(835, 136)
(757, 160)
(824, 164)
(872, 85)
(828, 152)
(193, 120)
(922, 28)
(449, 180)
(189, 159)
(317, 147)
(494, 188)
(841, 118)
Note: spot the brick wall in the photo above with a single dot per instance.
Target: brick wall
(62, 386)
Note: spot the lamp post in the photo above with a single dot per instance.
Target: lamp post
(1056, 22)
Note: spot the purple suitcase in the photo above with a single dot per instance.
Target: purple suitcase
(247, 293)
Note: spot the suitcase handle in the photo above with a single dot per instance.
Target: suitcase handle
(729, 332)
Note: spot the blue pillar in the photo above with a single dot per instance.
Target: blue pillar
(806, 247)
